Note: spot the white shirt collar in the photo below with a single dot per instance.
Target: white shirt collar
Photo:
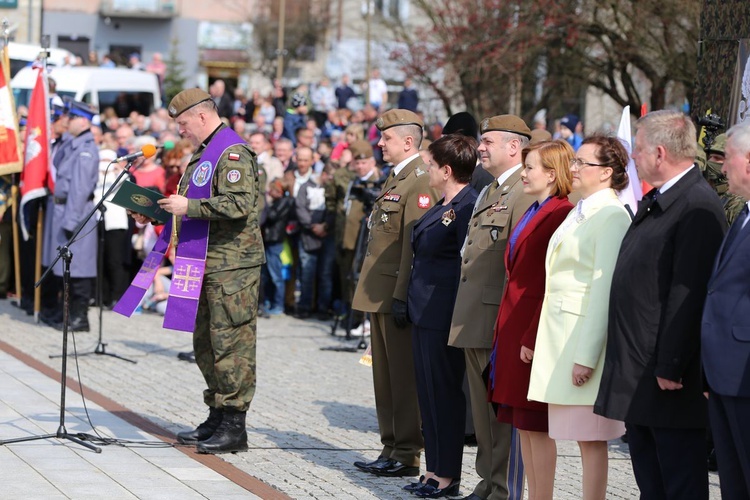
(398, 168)
(671, 182)
(506, 175)
(595, 198)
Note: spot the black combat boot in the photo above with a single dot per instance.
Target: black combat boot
(51, 317)
(230, 436)
(79, 317)
(204, 430)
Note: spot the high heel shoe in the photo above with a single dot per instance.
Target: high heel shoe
(431, 489)
(411, 487)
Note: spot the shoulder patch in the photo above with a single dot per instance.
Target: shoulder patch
(418, 171)
(233, 176)
(423, 201)
(234, 156)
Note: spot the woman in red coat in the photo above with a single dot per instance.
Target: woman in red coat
(545, 175)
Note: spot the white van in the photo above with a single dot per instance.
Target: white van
(124, 90)
(24, 54)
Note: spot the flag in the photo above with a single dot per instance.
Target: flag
(645, 186)
(10, 140)
(632, 194)
(35, 178)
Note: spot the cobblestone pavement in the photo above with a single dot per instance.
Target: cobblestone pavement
(313, 413)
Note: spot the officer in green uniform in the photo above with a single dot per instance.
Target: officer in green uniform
(225, 330)
(732, 203)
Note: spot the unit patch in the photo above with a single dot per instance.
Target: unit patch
(423, 201)
(233, 176)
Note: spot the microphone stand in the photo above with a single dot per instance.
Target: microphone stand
(64, 253)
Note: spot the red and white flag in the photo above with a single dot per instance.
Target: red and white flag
(10, 145)
(35, 177)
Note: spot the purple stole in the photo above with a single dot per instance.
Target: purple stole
(190, 260)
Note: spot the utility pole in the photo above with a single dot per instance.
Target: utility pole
(280, 52)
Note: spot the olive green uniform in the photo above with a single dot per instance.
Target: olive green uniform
(225, 330)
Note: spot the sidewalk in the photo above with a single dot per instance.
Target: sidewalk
(312, 416)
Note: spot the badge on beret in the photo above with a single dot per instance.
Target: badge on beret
(172, 110)
(380, 123)
(423, 201)
(485, 123)
(233, 176)
(202, 174)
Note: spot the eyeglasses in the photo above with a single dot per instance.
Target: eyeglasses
(579, 164)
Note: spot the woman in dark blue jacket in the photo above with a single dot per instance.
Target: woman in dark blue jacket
(437, 240)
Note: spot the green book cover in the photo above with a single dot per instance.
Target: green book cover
(141, 200)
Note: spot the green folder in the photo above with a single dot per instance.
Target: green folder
(141, 200)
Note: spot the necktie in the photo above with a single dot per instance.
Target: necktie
(493, 187)
(734, 231)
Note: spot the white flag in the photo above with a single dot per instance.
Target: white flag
(632, 194)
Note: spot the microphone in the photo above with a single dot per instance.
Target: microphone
(146, 151)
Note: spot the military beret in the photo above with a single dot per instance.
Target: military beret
(361, 149)
(186, 100)
(540, 135)
(461, 123)
(719, 144)
(398, 117)
(77, 108)
(505, 123)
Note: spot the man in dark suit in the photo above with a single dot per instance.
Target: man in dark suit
(381, 291)
(725, 335)
(652, 376)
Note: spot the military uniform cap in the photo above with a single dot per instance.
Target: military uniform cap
(397, 118)
(77, 108)
(719, 144)
(186, 100)
(361, 149)
(540, 135)
(505, 123)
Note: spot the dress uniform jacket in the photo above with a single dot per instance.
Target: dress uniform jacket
(518, 317)
(573, 325)
(655, 306)
(387, 265)
(482, 269)
(77, 172)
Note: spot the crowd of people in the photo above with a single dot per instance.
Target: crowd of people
(496, 265)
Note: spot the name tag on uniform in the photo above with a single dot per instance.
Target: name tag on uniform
(392, 197)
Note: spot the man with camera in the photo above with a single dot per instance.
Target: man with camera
(381, 291)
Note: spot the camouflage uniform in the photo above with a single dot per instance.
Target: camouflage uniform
(732, 203)
(225, 329)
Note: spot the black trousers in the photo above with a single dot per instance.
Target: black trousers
(116, 260)
(439, 370)
(669, 464)
(730, 422)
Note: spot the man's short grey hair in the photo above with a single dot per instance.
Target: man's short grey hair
(414, 131)
(510, 136)
(672, 130)
(740, 136)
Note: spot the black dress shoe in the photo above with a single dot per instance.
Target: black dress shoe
(431, 489)
(414, 486)
(365, 466)
(392, 468)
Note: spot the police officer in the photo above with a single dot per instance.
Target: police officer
(732, 203)
(225, 329)
(76, 174)
(382, 289)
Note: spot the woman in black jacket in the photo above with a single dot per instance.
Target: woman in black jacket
(274, 231)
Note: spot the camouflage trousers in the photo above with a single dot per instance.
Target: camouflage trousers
(225, 336)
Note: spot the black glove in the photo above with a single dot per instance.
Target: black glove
(400, 316)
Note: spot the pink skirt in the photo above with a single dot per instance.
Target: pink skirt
(580, 423)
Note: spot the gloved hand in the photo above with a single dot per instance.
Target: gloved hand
(400, 316)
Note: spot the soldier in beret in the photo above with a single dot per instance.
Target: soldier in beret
(224, 336)
(498, 209)
(382, 290)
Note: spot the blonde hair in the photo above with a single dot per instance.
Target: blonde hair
(555, 156)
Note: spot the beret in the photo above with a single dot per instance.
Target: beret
(398, 117)
(540, 135)
(186, 100)
(361, 149)
(461, 123)
(505, 123)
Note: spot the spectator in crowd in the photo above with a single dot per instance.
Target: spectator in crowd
(149, 174)
(304, 137)
(377, 91)
(222, 98)
(283, 150)
(568, 126)
(352, 133)
(277, 130)
(724, 337)
(408, 98)
(125, 137)
(572, 330)
(271, 164)
(323, 100)
(107, 62)
(546, 176)
(296, 117)
(652, 376)
(276, 218)
(267, 110)
(278, 98)
(134, 62)
(344, 92)
(174, 166)
(437, 239)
